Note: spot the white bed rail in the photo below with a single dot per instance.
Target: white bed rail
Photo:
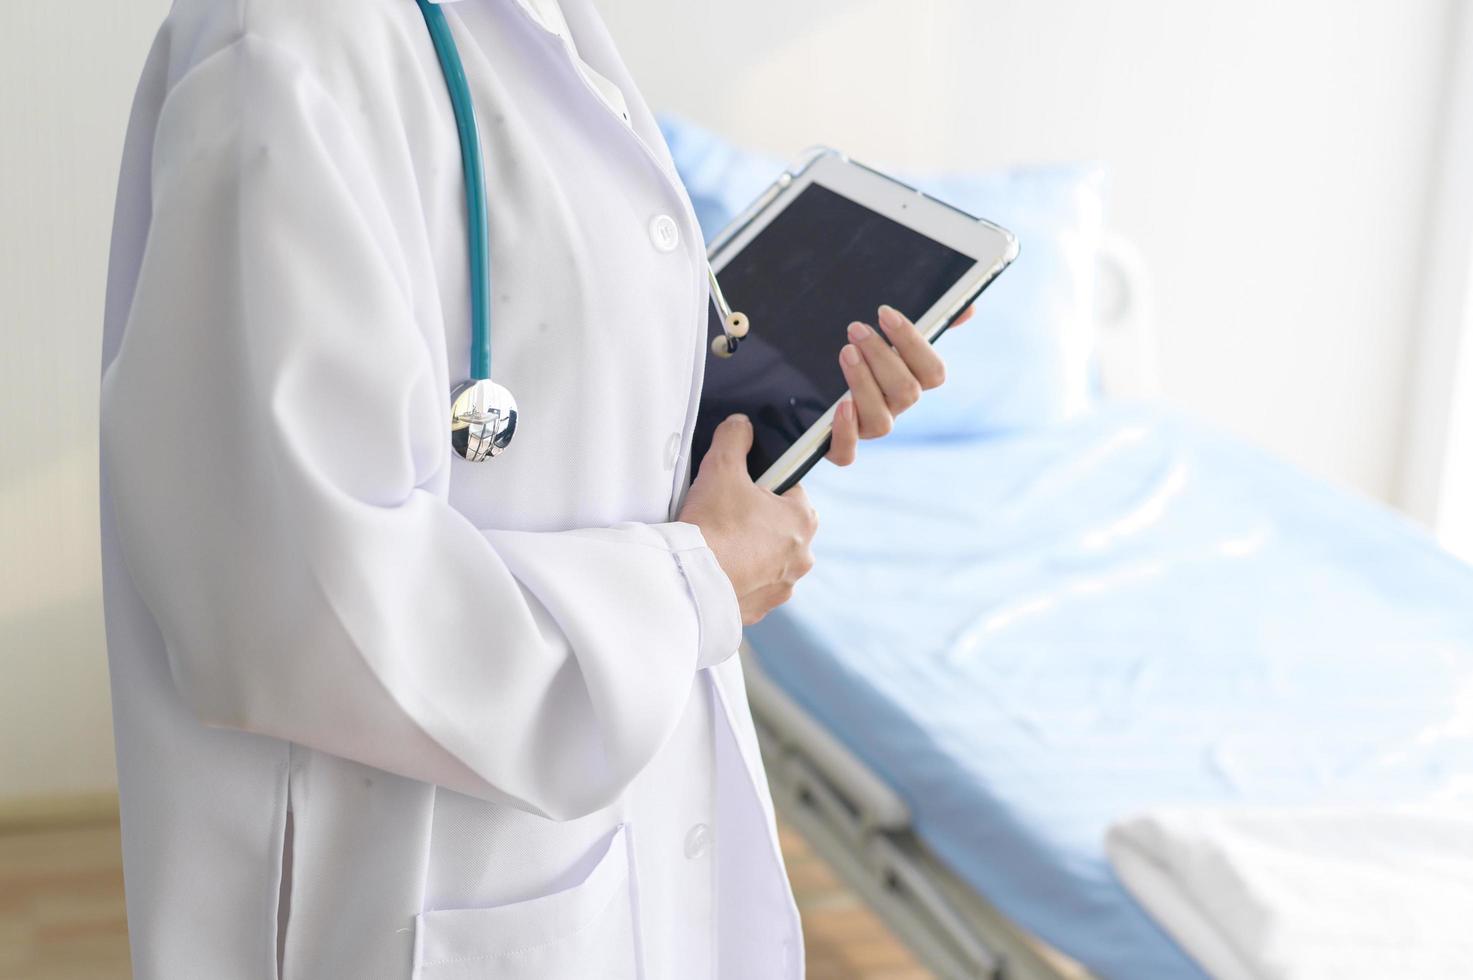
(1127, 343)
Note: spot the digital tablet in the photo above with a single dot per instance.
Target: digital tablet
(822, 247)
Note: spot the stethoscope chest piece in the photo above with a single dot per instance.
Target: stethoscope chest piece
(483, 418)
(483, 414)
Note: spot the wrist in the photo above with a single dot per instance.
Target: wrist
(717, 600)
(716, 541)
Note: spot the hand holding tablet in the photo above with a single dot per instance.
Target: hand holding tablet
(811, 263)
(884, 379)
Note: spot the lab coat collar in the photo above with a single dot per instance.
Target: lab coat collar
(599, 48)
(525, 8)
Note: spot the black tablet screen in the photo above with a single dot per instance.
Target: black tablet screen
(822, 263)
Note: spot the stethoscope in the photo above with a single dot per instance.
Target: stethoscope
(483, 414)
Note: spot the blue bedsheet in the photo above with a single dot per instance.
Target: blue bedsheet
(1033, 636)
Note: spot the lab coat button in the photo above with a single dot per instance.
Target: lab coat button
(664, 232)
(672, 450)
(698, 841)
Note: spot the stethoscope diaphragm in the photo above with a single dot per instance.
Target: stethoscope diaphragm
(483, 414)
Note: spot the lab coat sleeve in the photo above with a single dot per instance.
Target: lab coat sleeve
(275, 438)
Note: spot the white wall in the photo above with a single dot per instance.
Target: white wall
(67, 72)
(1270, 159)
(1437, 461)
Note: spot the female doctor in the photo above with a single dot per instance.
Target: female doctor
(381, 711)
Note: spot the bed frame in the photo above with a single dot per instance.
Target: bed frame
(863, 830)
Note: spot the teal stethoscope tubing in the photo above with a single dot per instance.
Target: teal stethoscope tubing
(475, 186)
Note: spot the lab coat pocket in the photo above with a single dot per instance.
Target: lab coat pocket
(584, 931)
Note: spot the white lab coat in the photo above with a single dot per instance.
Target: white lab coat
(382, 713)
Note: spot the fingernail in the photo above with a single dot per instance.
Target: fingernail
(846, 409)
(858, 331)
(890, 317)
(850, 354)
(739, 419)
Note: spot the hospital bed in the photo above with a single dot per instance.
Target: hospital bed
(1119, 614)
(1032, 618)
(1094, 619)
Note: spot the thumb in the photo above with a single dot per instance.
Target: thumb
(731, 442)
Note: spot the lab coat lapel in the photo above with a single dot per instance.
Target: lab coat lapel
(597, 48)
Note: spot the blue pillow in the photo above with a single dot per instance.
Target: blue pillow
(1026, 359)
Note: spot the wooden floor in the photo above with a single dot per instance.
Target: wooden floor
(61, 905)
(61, 912)
(844, 938)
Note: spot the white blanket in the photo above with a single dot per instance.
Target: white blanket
(1295, 893)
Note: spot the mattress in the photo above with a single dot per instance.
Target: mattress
(1032, 636)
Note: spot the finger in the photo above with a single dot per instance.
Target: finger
(964, 317)
(730, 444)
(920, 357)
(900, 386)
(870, 409)
(844, 443)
